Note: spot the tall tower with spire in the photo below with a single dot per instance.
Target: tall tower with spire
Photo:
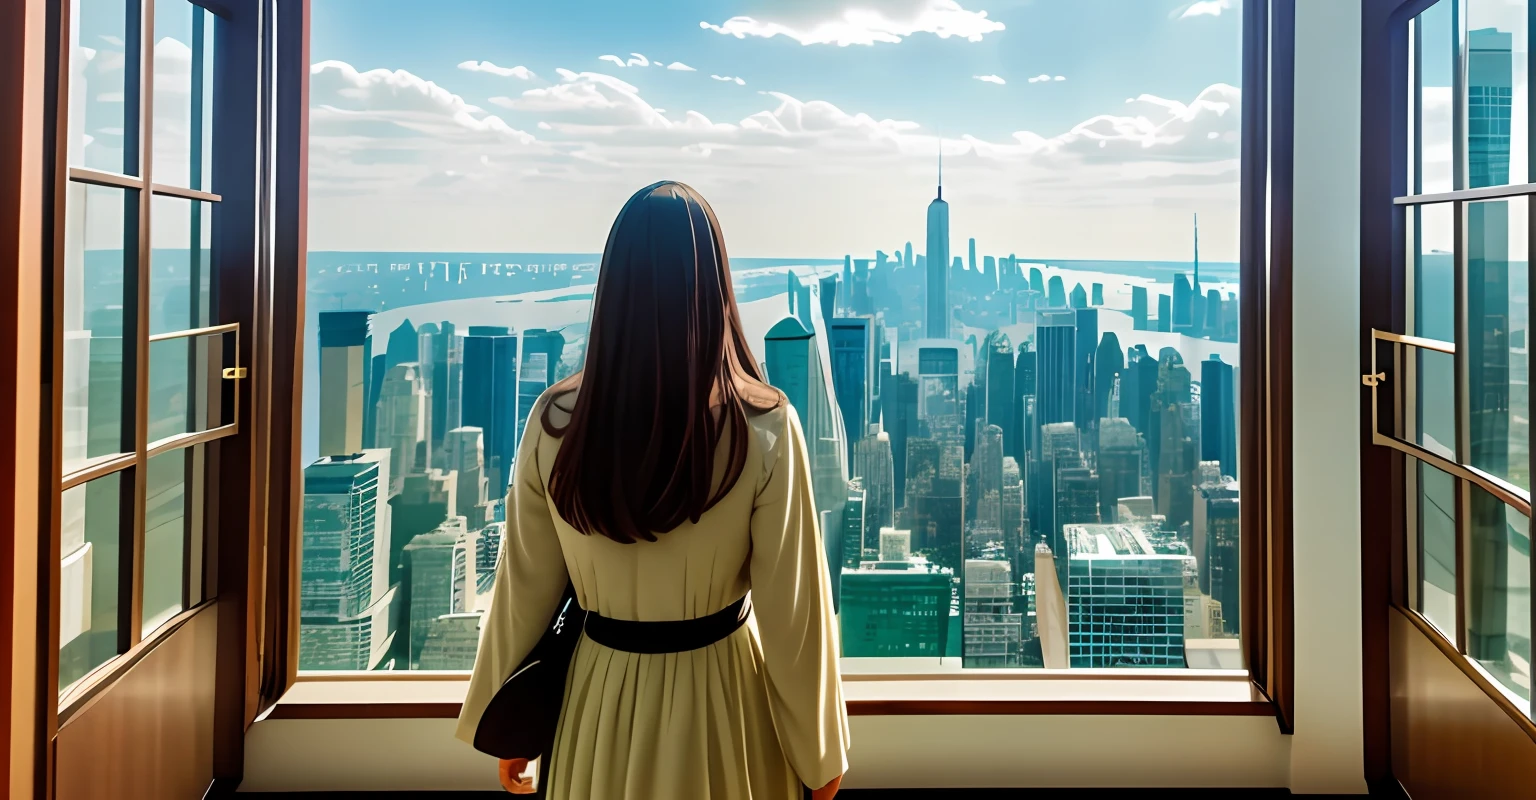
(937, 322)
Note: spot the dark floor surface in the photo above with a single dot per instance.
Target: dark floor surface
(874, 794)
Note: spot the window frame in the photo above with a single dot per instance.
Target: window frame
(1388, 192)
(1266, 688)
(133, 644)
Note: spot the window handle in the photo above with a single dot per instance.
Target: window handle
(1365, 380)
(234, 373)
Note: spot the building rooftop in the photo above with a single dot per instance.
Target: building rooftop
(1110, 541)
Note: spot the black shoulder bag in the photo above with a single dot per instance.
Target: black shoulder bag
(520, 720)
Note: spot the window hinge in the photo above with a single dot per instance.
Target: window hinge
(1373, 380)
(234, 373)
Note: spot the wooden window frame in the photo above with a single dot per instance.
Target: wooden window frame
(1265, 434)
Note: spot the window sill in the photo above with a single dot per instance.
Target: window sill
(868, 693)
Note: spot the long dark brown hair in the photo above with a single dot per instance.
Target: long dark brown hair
(638, 453)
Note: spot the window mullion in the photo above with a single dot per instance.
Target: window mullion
(145, 109)
(1459, 96)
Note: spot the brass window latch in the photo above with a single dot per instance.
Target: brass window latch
(234, 373)
(1365, 380)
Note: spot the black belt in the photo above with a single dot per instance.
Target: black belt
(670, 636)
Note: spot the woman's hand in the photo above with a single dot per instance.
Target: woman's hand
(512, 779)
(827, 792)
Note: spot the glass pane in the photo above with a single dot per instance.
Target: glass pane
(101, 225)
(1431, 248)
(172, 534)
(187, 391)
(1499, 581)
(91, 539)
(1497, 309)
(1435, 47)
(180, 264)
(1496, 86)
(183, 94)
(1436, 514)
(102, 78)
(1430, 405)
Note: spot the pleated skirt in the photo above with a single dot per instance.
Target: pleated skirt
(694, 725)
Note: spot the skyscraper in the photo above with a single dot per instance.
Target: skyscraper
(987, 467)
(466, 458)
(1056, 375)
(993, 627)
(1176, 447)
(874, 466)
(344, 361)
(1108, 363)
(901, 422)
(532, 379)
(402, 418)
(1000, 384)
(851, 531)
(1125, 601)
(1018, 444)
(442, 579)
(403, 346)
(1222, 553)
(938, 308)
(796, 368)
(490, 399)
(1139, 308)
(938, 374)
(1218, 428)
(447, 372)
(344, 591)
(852, 344)
(1119, 465)
(897, 606)
(1085, 348)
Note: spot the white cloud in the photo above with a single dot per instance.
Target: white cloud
(519, 72)
(635, 60)
(990, 79)
(1119, 184)
(1203, 8)
(729, 79)
(1059, 78)
(587, 98)
(1039, 78)
(807, 22)
(679, 66)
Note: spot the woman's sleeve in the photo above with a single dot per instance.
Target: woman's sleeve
(792, 599)
(530, 579)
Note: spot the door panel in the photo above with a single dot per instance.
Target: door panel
(150, 733)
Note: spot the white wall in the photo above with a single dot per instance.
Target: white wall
(888, 752)
(1324, 755)
(1326, 751)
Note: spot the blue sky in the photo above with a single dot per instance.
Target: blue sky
(1107, 49)
(811, 149)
